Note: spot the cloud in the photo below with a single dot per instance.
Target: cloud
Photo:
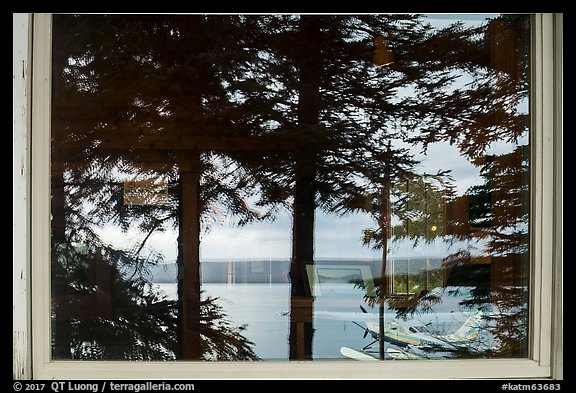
(252, 241)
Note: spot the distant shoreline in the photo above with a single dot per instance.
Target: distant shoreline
(259, 270)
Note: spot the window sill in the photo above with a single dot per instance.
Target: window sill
(394, 369)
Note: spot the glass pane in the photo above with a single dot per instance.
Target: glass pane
(229, 187)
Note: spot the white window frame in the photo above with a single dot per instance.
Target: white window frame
(545, 340)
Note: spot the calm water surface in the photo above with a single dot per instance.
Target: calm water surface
(264, 309)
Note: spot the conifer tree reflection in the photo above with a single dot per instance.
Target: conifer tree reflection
(345, 120)
(340, 125)
(495, 235)
(487, 227)
(127, 92)
(104, 303)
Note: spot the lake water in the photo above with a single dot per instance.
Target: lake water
(265, 308)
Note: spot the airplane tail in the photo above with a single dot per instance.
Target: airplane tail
(468, 331)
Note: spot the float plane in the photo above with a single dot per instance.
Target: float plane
(410, 341)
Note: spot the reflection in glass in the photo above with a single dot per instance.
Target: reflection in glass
(229, 187)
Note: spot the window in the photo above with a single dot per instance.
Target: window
(226, 187)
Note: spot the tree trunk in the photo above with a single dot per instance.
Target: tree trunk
(384, 279)
(301, 300)
(189, 262)
(301, 312)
